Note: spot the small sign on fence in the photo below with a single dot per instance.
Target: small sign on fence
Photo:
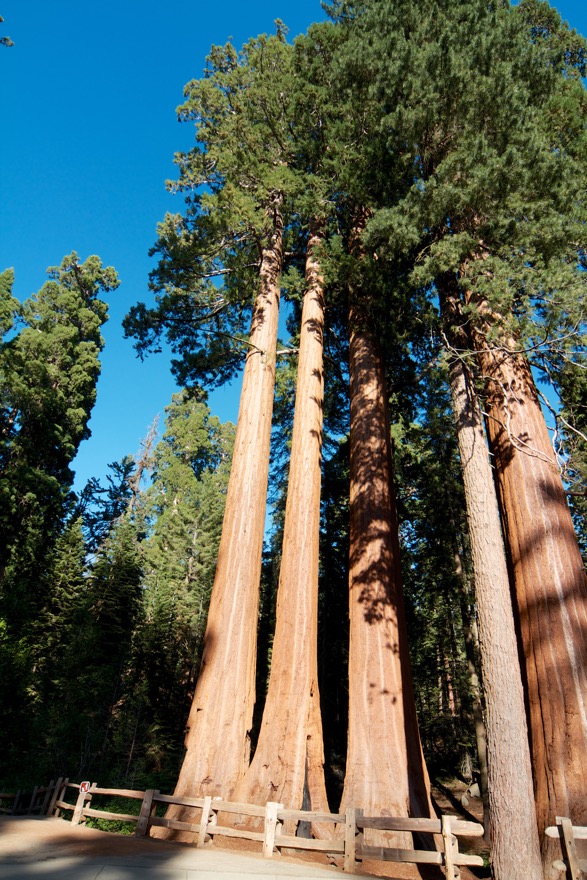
(84, 787)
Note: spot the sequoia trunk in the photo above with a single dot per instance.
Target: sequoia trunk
(515, 847)
(217, 739)
(288, 763)
(550, 585)
(385, 771)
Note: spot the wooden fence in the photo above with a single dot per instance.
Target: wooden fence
(40, 801)
(345, 845)
(568, 833)
(278, 829)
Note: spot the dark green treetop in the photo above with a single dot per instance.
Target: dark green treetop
(490, 118)
(49, 370)
(238, 174)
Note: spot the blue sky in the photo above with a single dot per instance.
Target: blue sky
(88, 96)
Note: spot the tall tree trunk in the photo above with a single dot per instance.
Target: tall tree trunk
(385, 772)
(288, 763)
(217, 739)
(471, 643)
(549, 581)
(515, 846)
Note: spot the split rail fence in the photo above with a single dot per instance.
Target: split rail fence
(568, 833)
(276, 825)
(38, 802)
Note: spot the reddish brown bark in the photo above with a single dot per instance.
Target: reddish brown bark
(513, 833)
(548, 578)
(550, 585)
(288, 763)
(385, 771)
(217, 739)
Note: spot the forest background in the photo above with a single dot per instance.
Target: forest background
(120, 573)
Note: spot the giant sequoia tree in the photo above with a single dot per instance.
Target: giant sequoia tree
(385, 768)
(289, 757)
(49, 371)
(238, 180)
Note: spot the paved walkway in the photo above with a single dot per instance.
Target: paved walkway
(180, 867)
(51, 849)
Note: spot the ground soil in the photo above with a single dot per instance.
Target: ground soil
(447, 796)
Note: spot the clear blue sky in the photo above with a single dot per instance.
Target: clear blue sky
(88, 96)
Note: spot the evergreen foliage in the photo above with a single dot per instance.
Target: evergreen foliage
(49, 371)
(184, 506)
(49, 367)
(107, 670)
(234, 178)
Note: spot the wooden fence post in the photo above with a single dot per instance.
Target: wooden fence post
(350, 836)
(204, 821)
(447, 839)
(568, 846)
(142, 828)
(79, 806)
(58, 791)
(48, 792)
(17, 797)
(31, 808)
(270, 827)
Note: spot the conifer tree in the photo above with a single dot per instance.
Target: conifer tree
(101, 507)
(49, 371)
(288, 763)
(385, 768)
(511, 818)
(48, 368)
(59, 631)
(381, 699)
(184, 507)
(239, 181)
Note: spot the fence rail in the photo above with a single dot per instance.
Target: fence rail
(341, 835)
(568, 833)
(40, 801)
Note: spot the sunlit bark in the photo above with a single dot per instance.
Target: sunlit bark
(549, 581)
(218, 729)
(385, 771)
(288, 763)
(513, 832)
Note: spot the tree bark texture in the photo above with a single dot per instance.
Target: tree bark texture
(513, 833)
(217, 739)
(550, 585)
(385, 771)
(470, 633)
(288, 765)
